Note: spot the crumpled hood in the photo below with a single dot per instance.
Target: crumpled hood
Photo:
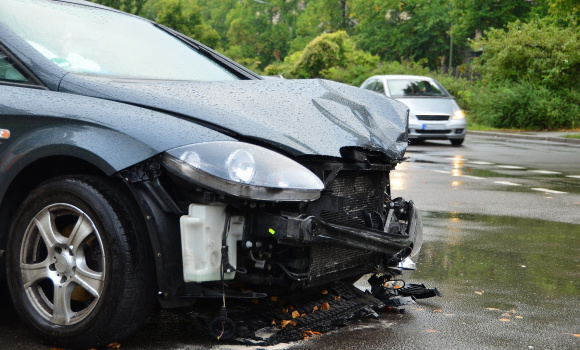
(301, 117)
(431, 106)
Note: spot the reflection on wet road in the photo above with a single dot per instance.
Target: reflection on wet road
(507, 283)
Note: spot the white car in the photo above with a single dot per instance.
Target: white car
(433, 112)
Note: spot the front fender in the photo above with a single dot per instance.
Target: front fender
(110, 135)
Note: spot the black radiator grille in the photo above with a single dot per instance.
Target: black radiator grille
(365, 191)
(433, 117)
(328, 259)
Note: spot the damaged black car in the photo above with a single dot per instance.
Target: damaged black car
(138, 166)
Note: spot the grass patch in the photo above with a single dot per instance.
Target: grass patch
(572, 136)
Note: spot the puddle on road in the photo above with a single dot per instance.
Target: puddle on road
(498, 253)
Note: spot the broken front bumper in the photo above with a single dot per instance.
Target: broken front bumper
(401, 238)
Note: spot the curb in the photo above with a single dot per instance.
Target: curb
(524, 137)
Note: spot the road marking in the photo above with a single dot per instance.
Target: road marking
(547, 190)
(481, 163)
(452, 158)
(442, 171)
(545, 172)
(574, 176)
(473, 177)
(507, 183)
(510, 167)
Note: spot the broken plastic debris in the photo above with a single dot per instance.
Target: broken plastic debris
(479, 293)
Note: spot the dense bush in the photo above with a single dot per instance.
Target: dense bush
(539, 52)
(524, 105)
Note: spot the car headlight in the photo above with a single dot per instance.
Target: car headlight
(458, 114)
(244, 170)
(413, 117)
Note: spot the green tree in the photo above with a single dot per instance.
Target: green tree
(539, 52)
(394, 30)
(470, 16)
(259, 31)
(331, 56)
(183, 16)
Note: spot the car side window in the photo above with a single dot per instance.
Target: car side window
(9, 71)
(369, 85)
(379, 87)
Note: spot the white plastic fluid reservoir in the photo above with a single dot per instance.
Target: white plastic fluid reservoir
(201, 238)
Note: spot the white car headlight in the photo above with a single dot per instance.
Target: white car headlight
(458, 114)
(244, 170)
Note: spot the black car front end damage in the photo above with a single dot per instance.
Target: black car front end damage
(288, 248)
(354, 227)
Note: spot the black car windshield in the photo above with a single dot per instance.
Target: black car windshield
(87, 40)
(415, 88)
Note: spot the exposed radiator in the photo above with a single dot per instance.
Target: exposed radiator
(364, 189)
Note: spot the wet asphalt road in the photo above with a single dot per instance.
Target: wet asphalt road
(502, 236)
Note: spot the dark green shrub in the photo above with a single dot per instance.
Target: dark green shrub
(524, 105)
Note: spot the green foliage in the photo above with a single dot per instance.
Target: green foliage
(471, 15)
(538, 52)
(330, 56)
(394, 30)
(183, 16)
(524, 105)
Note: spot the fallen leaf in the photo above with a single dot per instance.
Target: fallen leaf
(504, 319)
(284, 323)
(295, 314)
(274, 322)
(255, 301)
(415, 308)
(293, 323)
(324, 292)
(56, 349)
(576, 335)
(325, 306)
(506, 314)
(291, 307)
(438, 310)
(312, 333)
(519, 317)
(431, 331)
(337, 297)
(492, 308)
(114, 346)
(315, 309)
(285, 311)
(304, 314)
(479, 293)
(274, 298)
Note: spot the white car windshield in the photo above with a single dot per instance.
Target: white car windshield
(87, 40)
(415, 88)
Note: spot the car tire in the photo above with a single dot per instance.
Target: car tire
(456, 142)
(79, 266)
